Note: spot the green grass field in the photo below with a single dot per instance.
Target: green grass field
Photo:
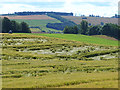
(41, 23)
(37, 61)
(82, 38)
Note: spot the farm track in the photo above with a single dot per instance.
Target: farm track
(105, 37)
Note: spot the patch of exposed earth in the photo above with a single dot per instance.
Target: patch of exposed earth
(66, 51)
(106, 37)
(22, 41)
(107, 56)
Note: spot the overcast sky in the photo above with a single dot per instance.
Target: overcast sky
(79, 7)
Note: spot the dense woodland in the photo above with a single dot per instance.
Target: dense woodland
(59, 26)
(108, 29)
(41, 13)
(14, 26)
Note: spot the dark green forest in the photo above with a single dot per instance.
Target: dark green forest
(14, 26)
(40, 13)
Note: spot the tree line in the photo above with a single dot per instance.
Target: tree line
(14, 26)
(43, 13)
(108, 29)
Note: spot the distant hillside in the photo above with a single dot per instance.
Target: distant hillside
(37, 23)
(92, 20)
(47, 23)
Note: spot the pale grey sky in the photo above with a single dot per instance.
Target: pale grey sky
(79, 7)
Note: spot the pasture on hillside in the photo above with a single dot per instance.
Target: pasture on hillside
(46, 61)
(39, 23)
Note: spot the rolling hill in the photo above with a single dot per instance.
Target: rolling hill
(42, 20)
(39, 23)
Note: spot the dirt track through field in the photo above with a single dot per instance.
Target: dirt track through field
(106, 37)
(35, 17)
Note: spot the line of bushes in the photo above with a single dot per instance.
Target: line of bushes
(108, 29)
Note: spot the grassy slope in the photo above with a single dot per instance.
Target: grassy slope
(41, 23)
(83, 38)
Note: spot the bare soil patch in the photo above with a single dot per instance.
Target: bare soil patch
(106, 37)
(38, 17)
(92, 20)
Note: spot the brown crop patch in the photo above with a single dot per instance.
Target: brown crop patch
(38, 17)
(92, 20)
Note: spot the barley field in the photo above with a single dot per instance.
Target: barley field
(44, 61)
